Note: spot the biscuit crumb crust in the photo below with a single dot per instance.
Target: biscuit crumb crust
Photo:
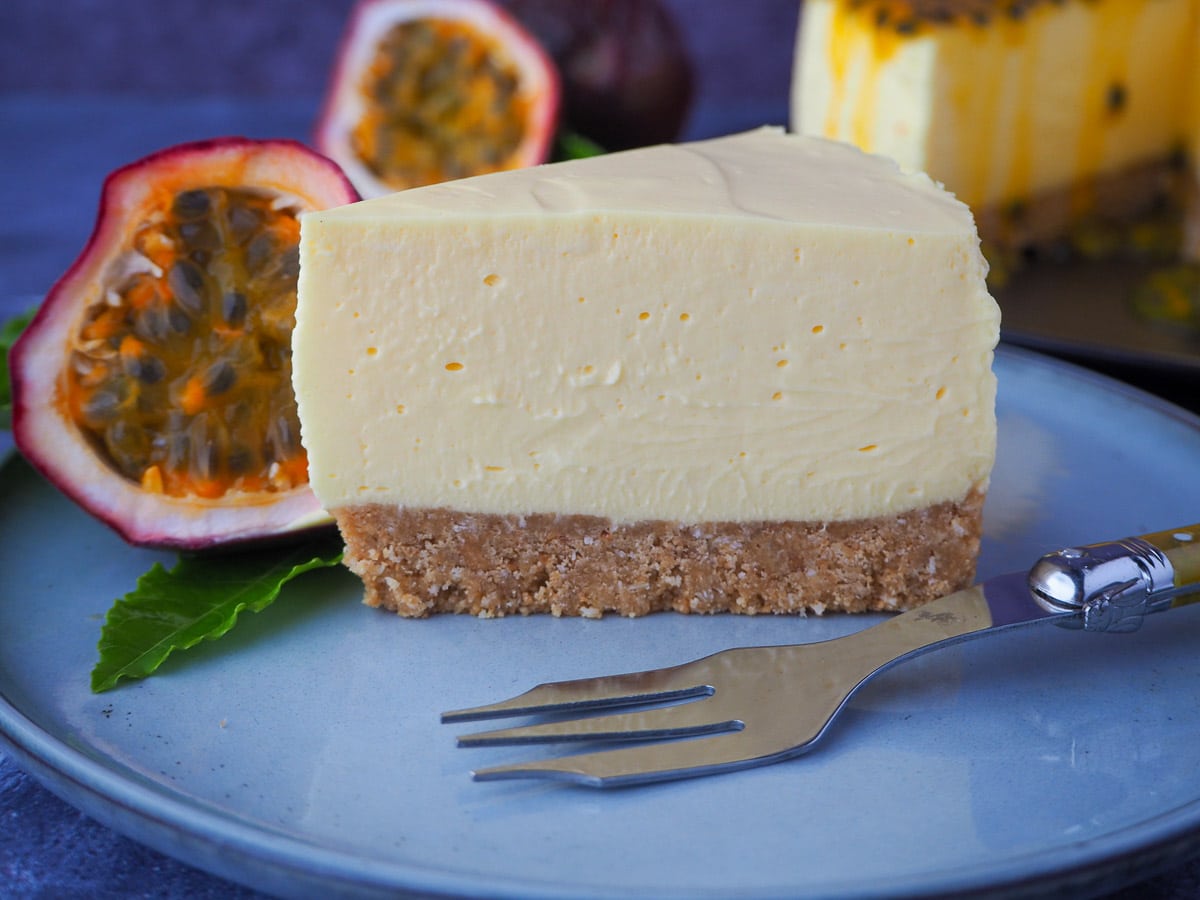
(417, 562)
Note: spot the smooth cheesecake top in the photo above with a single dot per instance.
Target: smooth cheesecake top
(758, 327)
(763, 174)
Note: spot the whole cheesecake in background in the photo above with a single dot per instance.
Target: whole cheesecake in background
(748, 374)
(1039, 114)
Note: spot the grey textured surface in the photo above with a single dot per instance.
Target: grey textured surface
(50, 850)
(88, 85)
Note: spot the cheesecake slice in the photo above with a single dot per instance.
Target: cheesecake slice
(748, 374)
(1041, 115)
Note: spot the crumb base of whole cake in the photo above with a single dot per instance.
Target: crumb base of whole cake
(1042, 220)
(417, 562)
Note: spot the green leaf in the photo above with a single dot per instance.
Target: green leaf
(572, 145)
(200, 598)
(9, 332)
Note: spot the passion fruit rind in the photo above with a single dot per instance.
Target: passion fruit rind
(432, 90)
(153, 386)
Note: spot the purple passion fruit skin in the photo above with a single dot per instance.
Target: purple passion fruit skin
(627, 76)
(425, 91)
(153, 386)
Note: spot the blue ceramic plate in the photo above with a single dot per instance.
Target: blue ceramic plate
(303, 753)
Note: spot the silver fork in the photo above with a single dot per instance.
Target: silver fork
(750, 706)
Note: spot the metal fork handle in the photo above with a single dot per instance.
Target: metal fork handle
(1112, 586)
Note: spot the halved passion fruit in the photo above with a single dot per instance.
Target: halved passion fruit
(431, 90)
(154, 385)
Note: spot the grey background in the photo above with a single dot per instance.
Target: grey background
(285, 47)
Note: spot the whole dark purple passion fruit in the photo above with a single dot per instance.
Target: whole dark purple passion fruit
(627, 77)
(153, 386)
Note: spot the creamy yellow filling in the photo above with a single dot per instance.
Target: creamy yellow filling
(1000, 109)
(759, 327)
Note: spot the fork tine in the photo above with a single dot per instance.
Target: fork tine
(686, 719)
(647, 762)
(653, 685)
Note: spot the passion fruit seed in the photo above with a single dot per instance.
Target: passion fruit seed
(181, 376)
(441, 102)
